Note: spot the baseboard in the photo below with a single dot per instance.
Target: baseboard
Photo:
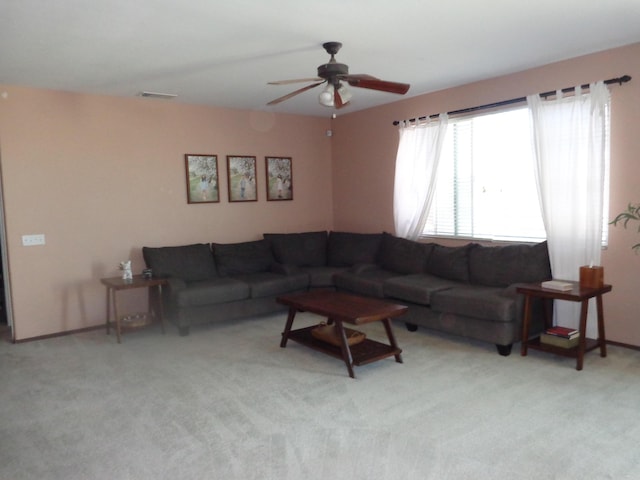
(624, 345)
(59, 334)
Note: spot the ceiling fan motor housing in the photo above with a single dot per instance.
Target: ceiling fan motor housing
(329, 71)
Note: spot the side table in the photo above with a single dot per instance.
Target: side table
(115, 284)
(576, 294)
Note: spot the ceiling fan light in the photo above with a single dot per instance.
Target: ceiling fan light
(326, 96)
(345, 94)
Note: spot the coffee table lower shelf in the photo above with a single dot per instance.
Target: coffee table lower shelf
(365, 352)
(535, 344)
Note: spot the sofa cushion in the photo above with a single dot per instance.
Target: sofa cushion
(207, 292)
(308, 249)
(369, 283)
(244, 257)
(504, 265)
(402, 255)
(191, 263)
(267, 284)
(416, 288)
(487, 303)
(450, 262)
(346, 249)
(322, 276)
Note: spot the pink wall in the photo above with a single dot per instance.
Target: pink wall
(102, 176)
(365, 143)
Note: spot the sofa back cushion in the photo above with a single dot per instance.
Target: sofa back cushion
(191, 263)
(244, 257)
(450, 262)
(504, 265)
(402, 255)
(347, 249)
(308, 249)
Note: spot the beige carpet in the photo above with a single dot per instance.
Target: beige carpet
(227, 403)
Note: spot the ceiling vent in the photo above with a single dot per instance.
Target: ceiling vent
(163, 96)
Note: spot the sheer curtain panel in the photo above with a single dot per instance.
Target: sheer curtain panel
(416, 166)
(570, 144)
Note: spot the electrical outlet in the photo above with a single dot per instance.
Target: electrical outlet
(31, 240)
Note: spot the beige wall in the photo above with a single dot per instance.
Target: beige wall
(102, 176)
(365, 143)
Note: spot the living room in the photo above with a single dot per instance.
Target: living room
(104, 176)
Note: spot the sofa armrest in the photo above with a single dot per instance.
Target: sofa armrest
(176, 284)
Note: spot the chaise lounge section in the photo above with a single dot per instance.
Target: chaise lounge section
(468, 290)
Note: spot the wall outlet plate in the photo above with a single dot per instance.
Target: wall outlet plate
(31, 240)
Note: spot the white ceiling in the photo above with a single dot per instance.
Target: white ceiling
(223, 52)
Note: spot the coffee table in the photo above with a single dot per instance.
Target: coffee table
(339, 308)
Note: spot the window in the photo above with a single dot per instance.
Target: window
(486, 186)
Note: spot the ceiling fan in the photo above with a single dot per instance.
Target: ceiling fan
(335, 94)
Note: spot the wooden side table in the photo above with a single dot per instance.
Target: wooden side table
(115, 284)
(576, 294)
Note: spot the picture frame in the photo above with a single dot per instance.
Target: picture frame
(279, 174)
(241, 178)
(203, 184)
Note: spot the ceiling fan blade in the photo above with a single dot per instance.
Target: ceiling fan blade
(298, 80)
(375, 84)
(293, 94)
(359, 76)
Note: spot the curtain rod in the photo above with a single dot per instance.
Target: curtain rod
(619, 80)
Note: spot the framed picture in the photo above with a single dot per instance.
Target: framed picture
(241, 173)
(202, 178)
(279, 178)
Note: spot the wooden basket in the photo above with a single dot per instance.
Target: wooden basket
(329, 334)
(135, 320)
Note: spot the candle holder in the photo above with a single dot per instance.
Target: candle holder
(591, 276)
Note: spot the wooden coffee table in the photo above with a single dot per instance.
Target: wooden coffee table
(339, 308)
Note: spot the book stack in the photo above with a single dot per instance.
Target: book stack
(560, 337)
(557, 285)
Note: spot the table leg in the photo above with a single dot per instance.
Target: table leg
(583, 333)
(344, 346)
(287, 327)
(525, 324)
(108, 308)
(601, 335)
(116, 314)
(547, 304)
(392, 339)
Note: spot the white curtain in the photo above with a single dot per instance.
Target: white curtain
(416, 167)
(569, 135)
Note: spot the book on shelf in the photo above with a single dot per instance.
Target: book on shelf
(547, 339)
(562, 332)
(557, 285)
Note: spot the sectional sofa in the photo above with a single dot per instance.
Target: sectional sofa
(468, 290)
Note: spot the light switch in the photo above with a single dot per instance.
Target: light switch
(31, 240)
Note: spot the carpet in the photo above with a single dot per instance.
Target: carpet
(226, 402)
